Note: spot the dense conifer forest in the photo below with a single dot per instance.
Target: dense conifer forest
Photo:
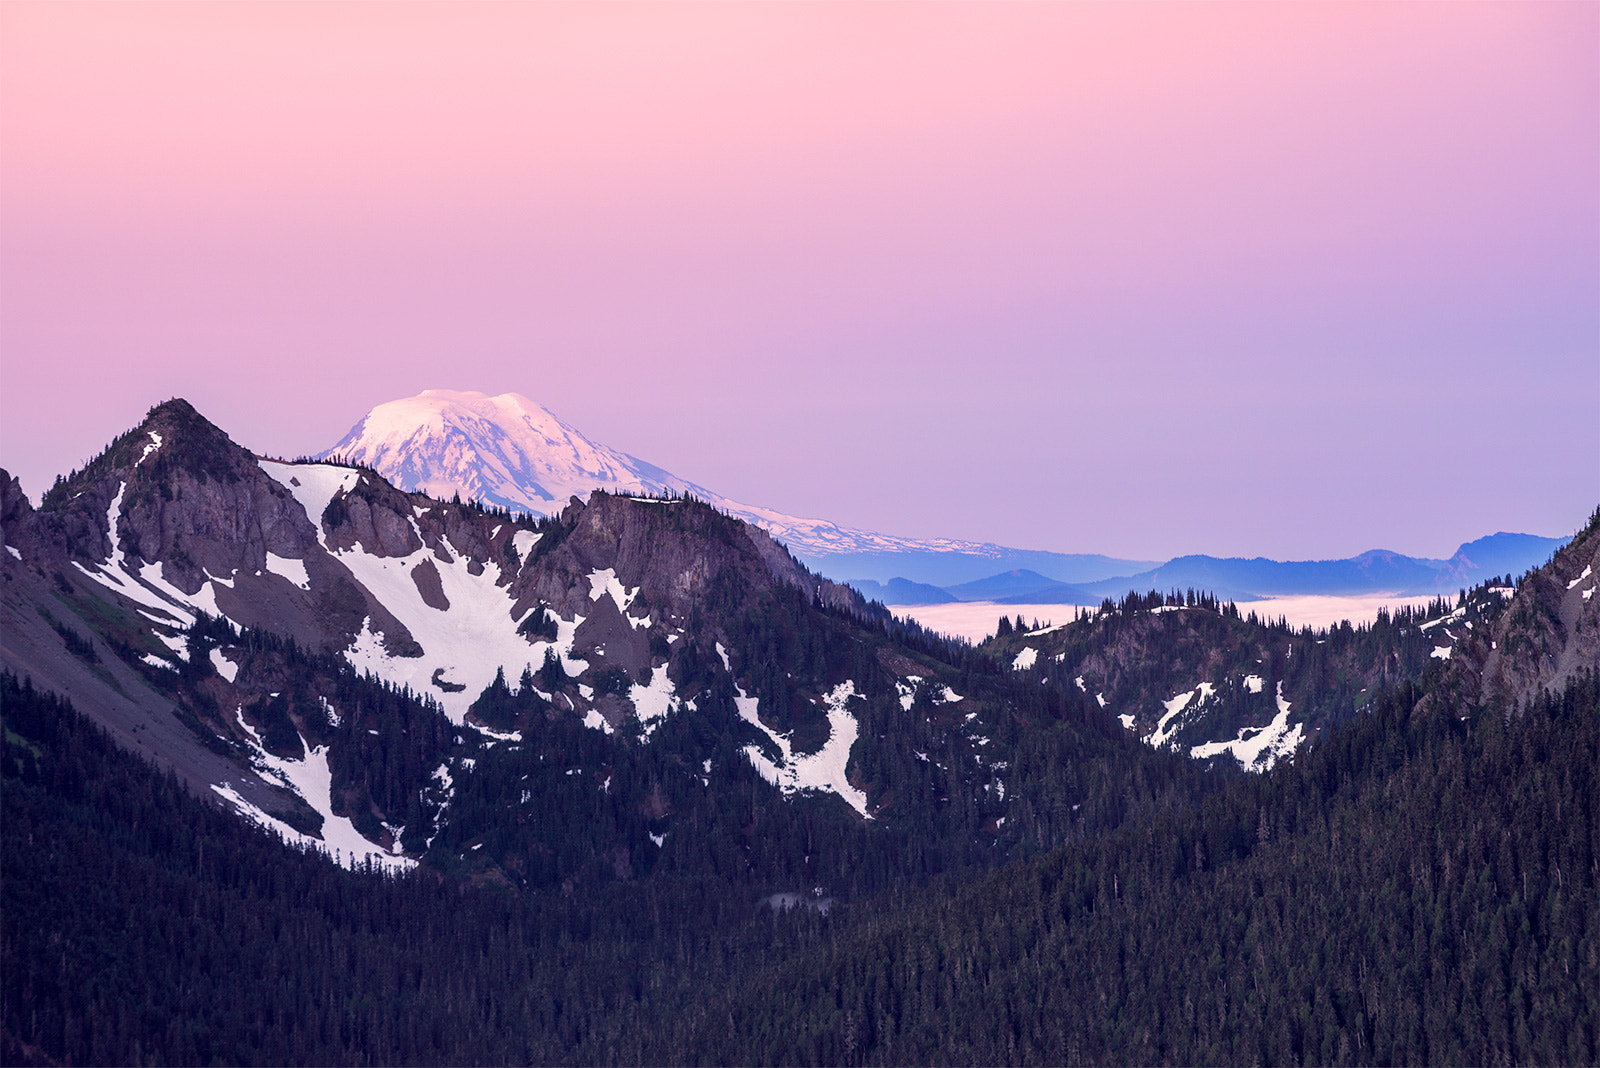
(1417, 888)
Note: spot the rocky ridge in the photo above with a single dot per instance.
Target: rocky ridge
(170, 570)
(1549, 631)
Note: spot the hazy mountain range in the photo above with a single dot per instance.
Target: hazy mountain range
(1371, 572)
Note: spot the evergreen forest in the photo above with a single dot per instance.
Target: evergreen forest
(1416, 888)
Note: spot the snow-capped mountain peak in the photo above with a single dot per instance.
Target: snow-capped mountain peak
(504, 450)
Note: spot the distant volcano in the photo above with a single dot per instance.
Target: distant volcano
(506, 450)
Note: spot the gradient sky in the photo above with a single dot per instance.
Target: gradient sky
(1289, 280)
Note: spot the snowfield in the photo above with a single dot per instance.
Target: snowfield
(1260, 752)
(312, 780)
(823, 770)
(465, 645)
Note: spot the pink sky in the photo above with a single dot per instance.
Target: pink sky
(1292, 280)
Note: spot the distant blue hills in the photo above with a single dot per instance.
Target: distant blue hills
(946, 567)
(1057, 578)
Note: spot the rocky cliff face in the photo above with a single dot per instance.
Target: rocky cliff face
(615, 602)
(677, 552)
(185, 495)
(174, 510)
(1549, 631)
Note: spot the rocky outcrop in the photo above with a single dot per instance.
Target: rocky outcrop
(1549, 631)
(174, 504)
(16, 513)
(186, 496)
(679, 553)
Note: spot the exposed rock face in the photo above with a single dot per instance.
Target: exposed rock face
(614, 604)
(370, 520)
(1549, 631)
(430, 586)
(188, 497)
(290, 548)
(16, 513)
(676, 552)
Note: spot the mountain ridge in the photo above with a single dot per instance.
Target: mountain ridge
(266, 613)
(162, 581)
(1376, 571)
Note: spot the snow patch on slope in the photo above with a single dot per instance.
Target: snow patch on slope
(1162, 735)
(523, 541)
(464, 646)
(225, 667)
(311, 778)
(1457, 614)
(653, 703)
(1260, 752)
(823, 770)
(293, 570)
(603, 582)
(907, 689)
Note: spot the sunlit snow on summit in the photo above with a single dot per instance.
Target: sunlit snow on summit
(508, 451)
